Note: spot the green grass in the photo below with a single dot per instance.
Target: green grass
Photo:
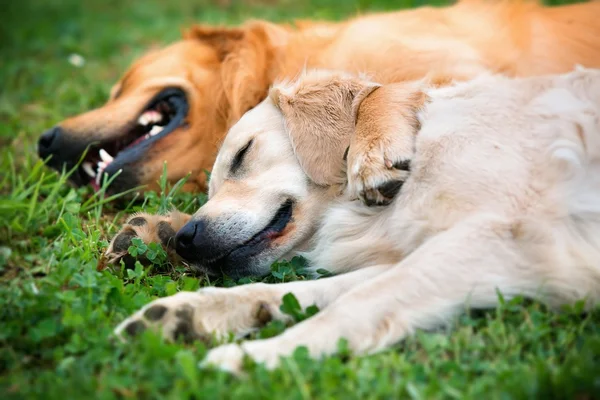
(57, 309)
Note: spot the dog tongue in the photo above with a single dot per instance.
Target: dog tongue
(136, 141)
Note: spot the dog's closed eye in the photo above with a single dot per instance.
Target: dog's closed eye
(239, 157)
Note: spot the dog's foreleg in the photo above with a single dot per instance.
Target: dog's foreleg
(383, 144)
(238, 310)
(462, 267)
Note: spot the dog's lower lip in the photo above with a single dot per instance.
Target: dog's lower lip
(277, 225)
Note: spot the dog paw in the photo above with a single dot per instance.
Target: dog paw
(150, 229)
(377, 170)
(200, 315)
(228, 358)
(174, 317)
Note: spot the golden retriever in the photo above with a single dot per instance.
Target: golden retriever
(175, 105)
(503, 194)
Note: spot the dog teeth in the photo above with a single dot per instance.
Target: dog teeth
(87, 167)
(99, 176)
(156, 129)
(101, 167)
(142, 120)
(149, 117)
(107, 158)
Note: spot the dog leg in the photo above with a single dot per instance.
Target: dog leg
(151, 229)
(383, 145)
(238, 310)
(459, 268)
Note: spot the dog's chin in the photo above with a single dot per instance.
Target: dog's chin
(125, 180)
(258, 265)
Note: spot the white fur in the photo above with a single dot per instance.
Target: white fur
(504, 194)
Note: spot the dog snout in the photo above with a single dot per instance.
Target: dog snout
(185, 240)
(63, 147)
(49, 142)
(202, 243)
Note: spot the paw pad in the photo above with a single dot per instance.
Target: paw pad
(402, 165)
(263, 315)
(135, 328)
(155, 313)
(123, 240)
(390, 189)
(150, 229)
(137, 221)
(166, 234)
(388, 186)
(174, 323)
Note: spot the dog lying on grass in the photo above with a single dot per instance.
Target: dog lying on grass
(501, 192)
(176, 104)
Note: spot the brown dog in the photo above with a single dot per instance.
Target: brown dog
(176, 104)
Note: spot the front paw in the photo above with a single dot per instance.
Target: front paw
(203, 314)
(377, 172)
(150, 229)
(228, 358)
(175, 318)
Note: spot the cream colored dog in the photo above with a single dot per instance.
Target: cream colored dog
(503, 195)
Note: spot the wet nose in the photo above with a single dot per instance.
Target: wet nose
(187, 239)
(49, 142)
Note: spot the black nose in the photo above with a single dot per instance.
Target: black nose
(204, 242)
(49, 142)
(186, 240)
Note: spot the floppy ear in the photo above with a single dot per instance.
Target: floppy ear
(319, 116)
(222, 39)
(248, 55)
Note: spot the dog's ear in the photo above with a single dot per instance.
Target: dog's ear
(247, 54)
(319, 113)
(223, 40)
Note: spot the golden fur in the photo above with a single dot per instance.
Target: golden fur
(227, 71)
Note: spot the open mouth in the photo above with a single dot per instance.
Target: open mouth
(163, 114)
(257, 243)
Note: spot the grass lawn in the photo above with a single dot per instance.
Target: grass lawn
(58, 308)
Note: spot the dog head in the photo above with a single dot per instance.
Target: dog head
(173, 105)
(277, 171)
